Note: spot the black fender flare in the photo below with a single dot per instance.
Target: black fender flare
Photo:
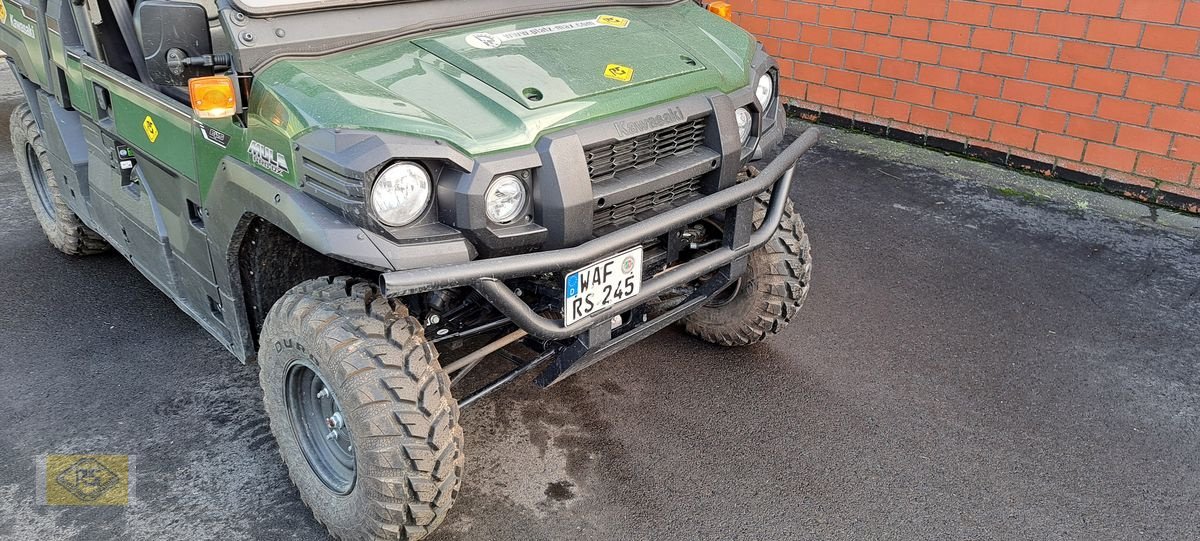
(240, 193)
(238, 196)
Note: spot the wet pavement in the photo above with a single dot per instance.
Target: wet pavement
(983, 355)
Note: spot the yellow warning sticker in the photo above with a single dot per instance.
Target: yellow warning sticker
(619, 72)
(3, 12)
(613, 21)
(151, 129)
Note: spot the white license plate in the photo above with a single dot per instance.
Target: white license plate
(602, 284)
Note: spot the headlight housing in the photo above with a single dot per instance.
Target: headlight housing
(401, 193)
(745, 123)
(765, 91)
(506, 199)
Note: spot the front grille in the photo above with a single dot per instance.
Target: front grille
(622, 214)
(609, 160)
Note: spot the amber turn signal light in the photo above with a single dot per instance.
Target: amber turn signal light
(722, 9)
(213, 97)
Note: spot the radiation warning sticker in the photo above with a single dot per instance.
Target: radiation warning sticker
(613, 21)
(619, 73)
(151, 129)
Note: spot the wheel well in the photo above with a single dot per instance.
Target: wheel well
(271, 262)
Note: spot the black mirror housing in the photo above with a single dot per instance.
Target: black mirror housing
(169, 32)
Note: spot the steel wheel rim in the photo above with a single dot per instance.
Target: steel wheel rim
(726, 295)
(39, 181)
(313, 410)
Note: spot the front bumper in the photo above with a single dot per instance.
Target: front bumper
(487, 275)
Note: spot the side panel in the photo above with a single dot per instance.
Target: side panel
(22, 38)
(81, 96)
(67, 151)
(214, 140)
(143, 192)
(145, 119)
(65, 48)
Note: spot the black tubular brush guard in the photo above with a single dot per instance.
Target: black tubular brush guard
(487, 275)
(591, 338)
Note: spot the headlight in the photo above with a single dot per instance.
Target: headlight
(505, 199)
(745, 121)
(765, 90)
(400, 194)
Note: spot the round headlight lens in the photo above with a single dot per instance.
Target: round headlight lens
(401, 194)
(505, 199)
(765, 90)
(745, 121)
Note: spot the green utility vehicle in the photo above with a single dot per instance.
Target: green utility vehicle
(340, 190)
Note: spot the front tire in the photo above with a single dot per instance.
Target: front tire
(393, 466)
(63, 228)
(770, 293)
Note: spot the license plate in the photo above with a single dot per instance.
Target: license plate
(602, 284)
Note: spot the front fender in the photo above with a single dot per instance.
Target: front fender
(239, 191)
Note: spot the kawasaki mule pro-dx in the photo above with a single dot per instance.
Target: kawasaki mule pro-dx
(341, 189)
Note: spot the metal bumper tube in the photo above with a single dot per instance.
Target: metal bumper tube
(487, 275)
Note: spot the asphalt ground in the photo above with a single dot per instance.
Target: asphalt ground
(983, 355)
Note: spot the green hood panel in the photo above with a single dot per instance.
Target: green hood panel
(442, 87)
(564, 58)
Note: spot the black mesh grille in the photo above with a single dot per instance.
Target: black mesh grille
(655, 202)
(607, 161)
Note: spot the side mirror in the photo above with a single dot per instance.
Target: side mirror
(171, 33)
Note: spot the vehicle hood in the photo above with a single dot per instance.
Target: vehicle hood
(577, 55)
(499, 86)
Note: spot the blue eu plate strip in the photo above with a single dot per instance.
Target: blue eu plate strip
(572, 285)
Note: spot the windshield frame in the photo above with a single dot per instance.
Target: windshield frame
(340, 25)
(263, 8)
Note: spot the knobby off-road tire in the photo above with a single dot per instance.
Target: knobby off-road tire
(62, 227)
(768, 295)
(395, 398)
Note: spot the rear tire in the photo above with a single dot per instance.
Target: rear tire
(766, 298)
(400, 422)
(62, 227)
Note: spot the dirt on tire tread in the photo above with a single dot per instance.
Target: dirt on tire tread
(64, 230)
(779, 291)
(410, 457)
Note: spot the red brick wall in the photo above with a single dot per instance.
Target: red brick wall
(1109, 88)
